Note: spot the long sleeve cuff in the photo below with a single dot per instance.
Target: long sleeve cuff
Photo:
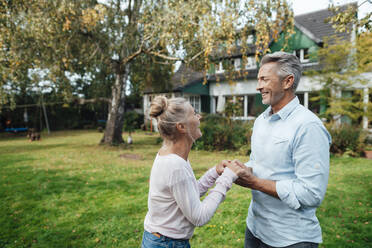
(225, 181)
(285, 191)
(213, 172)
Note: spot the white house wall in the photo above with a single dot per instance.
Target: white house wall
(248, 87)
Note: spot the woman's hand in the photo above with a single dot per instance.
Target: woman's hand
(221, 166)
(237, 167)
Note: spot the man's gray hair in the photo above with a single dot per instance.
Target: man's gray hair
(288, 64)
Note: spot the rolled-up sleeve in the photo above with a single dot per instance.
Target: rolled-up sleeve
(310, 154)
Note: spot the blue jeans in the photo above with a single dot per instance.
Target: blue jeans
(253, 242)
(149, 240)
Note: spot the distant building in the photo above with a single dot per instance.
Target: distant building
(310, 31)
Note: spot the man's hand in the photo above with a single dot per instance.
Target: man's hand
(246, 176)
(248, 180)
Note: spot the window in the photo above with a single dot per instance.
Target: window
(297, 53)
(251, 63)
(215, 104)
(250, 39)
(255, 106)
(239, 100)
(318, 101)
(250, 102)
(305, 57)
(219, 68)
(234, 106)
(195, 103)
(237, 64)
(301, 98)
(302, 54)
(229, 99)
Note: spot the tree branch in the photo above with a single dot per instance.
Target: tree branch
(95, 51)
(132, 56)
(196, 55)
(163, 56)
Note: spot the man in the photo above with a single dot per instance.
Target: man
(289, 164)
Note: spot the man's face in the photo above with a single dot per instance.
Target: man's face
(269, 84)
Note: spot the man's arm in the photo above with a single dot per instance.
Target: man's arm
(248, 180)
(311, 161)
(310, 156)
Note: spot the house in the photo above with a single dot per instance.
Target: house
(311, 30)
(186, 83)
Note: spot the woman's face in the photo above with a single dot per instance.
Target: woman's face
(193, 123)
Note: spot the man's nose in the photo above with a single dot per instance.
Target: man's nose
(259, 85)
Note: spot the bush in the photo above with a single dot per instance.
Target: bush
(132, 121)
(221, 133)
(347, 139)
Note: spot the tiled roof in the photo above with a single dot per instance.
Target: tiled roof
(236, 75)
(182, 77)
(234, 53)
(316, 24)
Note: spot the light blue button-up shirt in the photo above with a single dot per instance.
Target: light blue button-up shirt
(290, 147)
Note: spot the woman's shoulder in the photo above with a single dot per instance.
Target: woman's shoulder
(172, 167)
(171, 160)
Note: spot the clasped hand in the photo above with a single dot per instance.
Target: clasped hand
(245, 174)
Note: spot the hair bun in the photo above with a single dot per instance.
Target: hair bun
(158, 106)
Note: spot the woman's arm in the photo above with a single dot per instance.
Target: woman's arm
(187, 196)
(208, 179)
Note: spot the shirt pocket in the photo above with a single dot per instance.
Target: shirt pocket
(280, 150)
(279, 140)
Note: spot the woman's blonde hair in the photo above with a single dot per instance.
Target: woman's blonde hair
(168, 112)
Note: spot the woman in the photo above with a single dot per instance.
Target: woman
(174, 206)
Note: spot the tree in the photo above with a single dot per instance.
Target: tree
(105, 37)
(347, 20)
(343, 66)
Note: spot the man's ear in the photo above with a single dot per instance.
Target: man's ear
(181, 127)
(288, 82)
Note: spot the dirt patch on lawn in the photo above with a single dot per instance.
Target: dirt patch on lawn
(131, 156)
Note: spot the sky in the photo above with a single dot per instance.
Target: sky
(306, 6)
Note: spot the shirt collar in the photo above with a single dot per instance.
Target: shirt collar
(285, 111)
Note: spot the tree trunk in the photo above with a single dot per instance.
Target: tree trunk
(115, 119)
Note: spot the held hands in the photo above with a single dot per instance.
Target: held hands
(245, 174)
(236, 166)
(247, 179)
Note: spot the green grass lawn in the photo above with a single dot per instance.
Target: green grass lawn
(67, 191)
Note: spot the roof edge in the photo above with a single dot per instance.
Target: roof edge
(307, 32)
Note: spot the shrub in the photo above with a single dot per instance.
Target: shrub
(132, 121)
(347, 139)
(221, 133)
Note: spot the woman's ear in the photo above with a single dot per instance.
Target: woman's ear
(181, 127)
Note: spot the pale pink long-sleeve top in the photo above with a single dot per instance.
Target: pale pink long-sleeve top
(174, 206)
